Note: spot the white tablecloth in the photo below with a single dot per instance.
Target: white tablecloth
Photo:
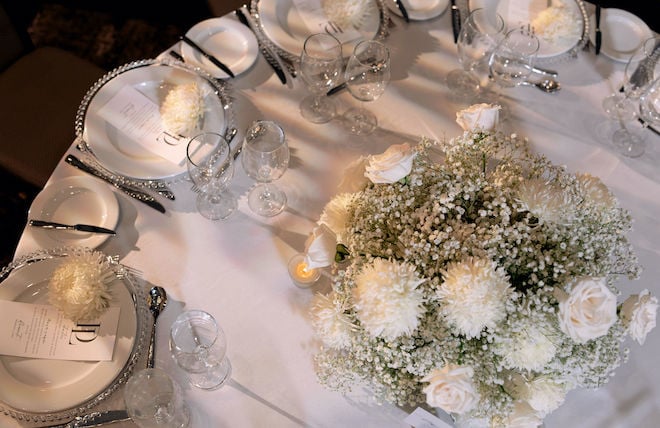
(236, 269)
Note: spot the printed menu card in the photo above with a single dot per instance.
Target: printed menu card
(41, 331)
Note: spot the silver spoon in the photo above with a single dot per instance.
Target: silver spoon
(157, 300)
(546, 85)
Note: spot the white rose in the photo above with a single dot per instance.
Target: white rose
(588, 311)
(392, 165)
(451, 389)
(479, 117)
(354, 179)
(320, 247)
(638, 313)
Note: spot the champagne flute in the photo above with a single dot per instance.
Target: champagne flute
(512, 60)
(367, 75)
(321, 64)
(480, 33)
(265, 158)
(199, 347)
(211, 168)
(641, 68)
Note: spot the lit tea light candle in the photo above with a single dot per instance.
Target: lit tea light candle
(301, 275)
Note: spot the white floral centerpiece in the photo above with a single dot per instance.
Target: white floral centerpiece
(483, 285)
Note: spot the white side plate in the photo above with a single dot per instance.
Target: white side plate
(420, 10)
(622, 33)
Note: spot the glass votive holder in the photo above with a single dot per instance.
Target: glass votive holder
(155, 400)
(301, 275)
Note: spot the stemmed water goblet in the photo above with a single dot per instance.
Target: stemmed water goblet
(211, 168)
(321, 64)
(649, 104)
(199, 347)
(265, 157)
(367, 75)
(480, 33)
(512, 60)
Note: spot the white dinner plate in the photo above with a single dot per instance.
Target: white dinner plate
(554, 39)
(420, 10)
(283, 25)
(622, 33)
(128, 157)
(231, 42)
(74, 200)
(34, 386)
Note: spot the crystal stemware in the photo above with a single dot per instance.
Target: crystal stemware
(265, 157)
(154, 400)
(641, 68)
(211, 168)
(480, 33)
(649, 104)
(512, 60)
(321, 65)
(367, 75)
(199, 347)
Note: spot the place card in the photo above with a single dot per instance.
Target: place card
(421, 418)
(42, 331)
(137, 117)
(312, 14)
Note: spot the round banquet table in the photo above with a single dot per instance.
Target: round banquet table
(236, 269)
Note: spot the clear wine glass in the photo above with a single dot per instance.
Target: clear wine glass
(367, 75)
(199, 347)
(649, 104)
(211, 168)
(265, 157)
(512, 60)
(480, 33)
(639, 71)
(321, 64)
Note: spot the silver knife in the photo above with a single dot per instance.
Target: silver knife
(99, 418)
(130, 191)
(80, 227)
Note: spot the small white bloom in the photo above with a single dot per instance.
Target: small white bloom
(523, 416)
(387, 300)
(595, 191)
(588, 311)
(392, 165)
(547, 202)
(528, 349)
(335, 214)
(182, 109)
(354, 179)
(330, 321)
(543, 393)
(638, 313)
(473, 295)
(347, 13)
(320, 247)
(451, 388)
(479, 117)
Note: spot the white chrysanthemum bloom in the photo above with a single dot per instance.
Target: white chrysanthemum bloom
(320, 247)
(474, 293)
(588, 311)
(543, 393)
(387, 300)
(479, 117)
(595, 191)
(392, 165)
(451, 388)
(354, 180)
(522, 416)
(80, 286)
(335, 213)
(182, 109)
(348, 13)
(330, 321)
(531, 348)
(639, 313)
(547, 202)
